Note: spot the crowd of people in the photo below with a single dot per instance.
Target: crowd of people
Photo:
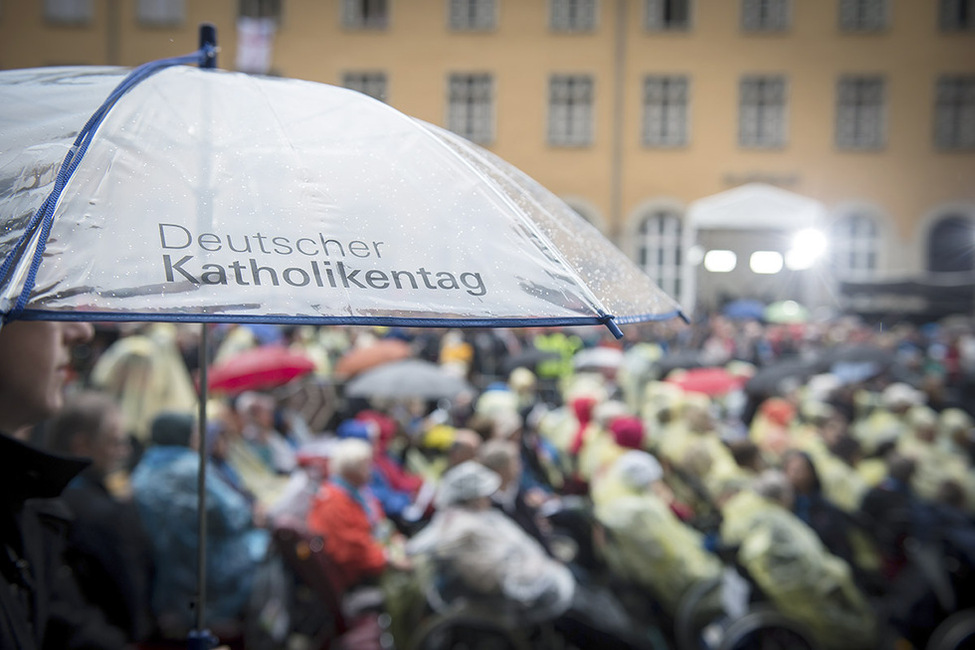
(829, 464)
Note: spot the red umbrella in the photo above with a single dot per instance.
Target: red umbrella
(369, 356)
(259, 368)
(710, 381)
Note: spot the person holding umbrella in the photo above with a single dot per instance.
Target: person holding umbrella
(40, 603)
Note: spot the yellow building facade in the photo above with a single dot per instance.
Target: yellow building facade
(642, 114)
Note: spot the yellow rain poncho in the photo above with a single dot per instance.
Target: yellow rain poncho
(306, 341)
(935, 465)
(647, 543)
(890, 420)
(774, 427)
(795, 571)
(702, 455)
(661, 402)
(266, 486)
(146, 375)
(842, 484)
(689, 421)
(598, 453)
(558, 428)
(636, 371)
(237, 339)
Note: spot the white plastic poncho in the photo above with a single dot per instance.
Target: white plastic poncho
(493, 557)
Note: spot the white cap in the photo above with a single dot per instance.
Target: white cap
(468, 480)
(638, 469)
(900, 394)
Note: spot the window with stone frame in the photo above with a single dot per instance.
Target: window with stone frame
(658, 249)
(472, 15)
(861, 114)
(854, 249)
(954, 113)
(470, 106)
(570, 110)
(863, 15)
(665, 99)
(573, 15)
(365, 14)
(370, 83)
(762, 112)
(667, 15)
(765, 15)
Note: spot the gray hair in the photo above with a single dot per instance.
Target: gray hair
(84, 414)
(497, 454)
(774, 485)
(348, 454)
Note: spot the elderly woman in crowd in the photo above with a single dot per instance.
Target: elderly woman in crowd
(486, 552)
(479, 553)
(355, 532)
(646, 542)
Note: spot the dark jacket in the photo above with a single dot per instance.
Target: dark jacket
(524, 515)
(40, 605)
(110, 554)
(831, 524)
(889, 511)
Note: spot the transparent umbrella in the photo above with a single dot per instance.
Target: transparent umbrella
(174, 193)
(212, 196)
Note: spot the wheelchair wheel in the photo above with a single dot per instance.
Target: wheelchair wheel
(765, 630)
(694, 615)
(957, 632)
(465, 630)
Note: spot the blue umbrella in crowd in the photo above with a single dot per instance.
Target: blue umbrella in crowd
(745, 309)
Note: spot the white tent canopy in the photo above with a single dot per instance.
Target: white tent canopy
(755, 206)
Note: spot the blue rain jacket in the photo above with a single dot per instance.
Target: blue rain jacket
(164, 485)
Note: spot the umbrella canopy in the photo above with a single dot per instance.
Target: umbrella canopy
(530, 359)
(709, 381)
(679, 359)
(856, 353)
(859, 362)
(363, 358)
(775, 378)
(786, 312)
(206, 195)
(178, 194)
(412, 378)
(598, 358)
(259, 368)
(745, 309)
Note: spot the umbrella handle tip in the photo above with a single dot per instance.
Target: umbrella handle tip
(208, 45)
(610, 322)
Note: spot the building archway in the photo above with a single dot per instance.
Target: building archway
(951, 244)
(858, 237)
(655, 244)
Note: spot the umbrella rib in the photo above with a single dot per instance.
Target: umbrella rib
(203, 317)
(550, 250)
(44, 217)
